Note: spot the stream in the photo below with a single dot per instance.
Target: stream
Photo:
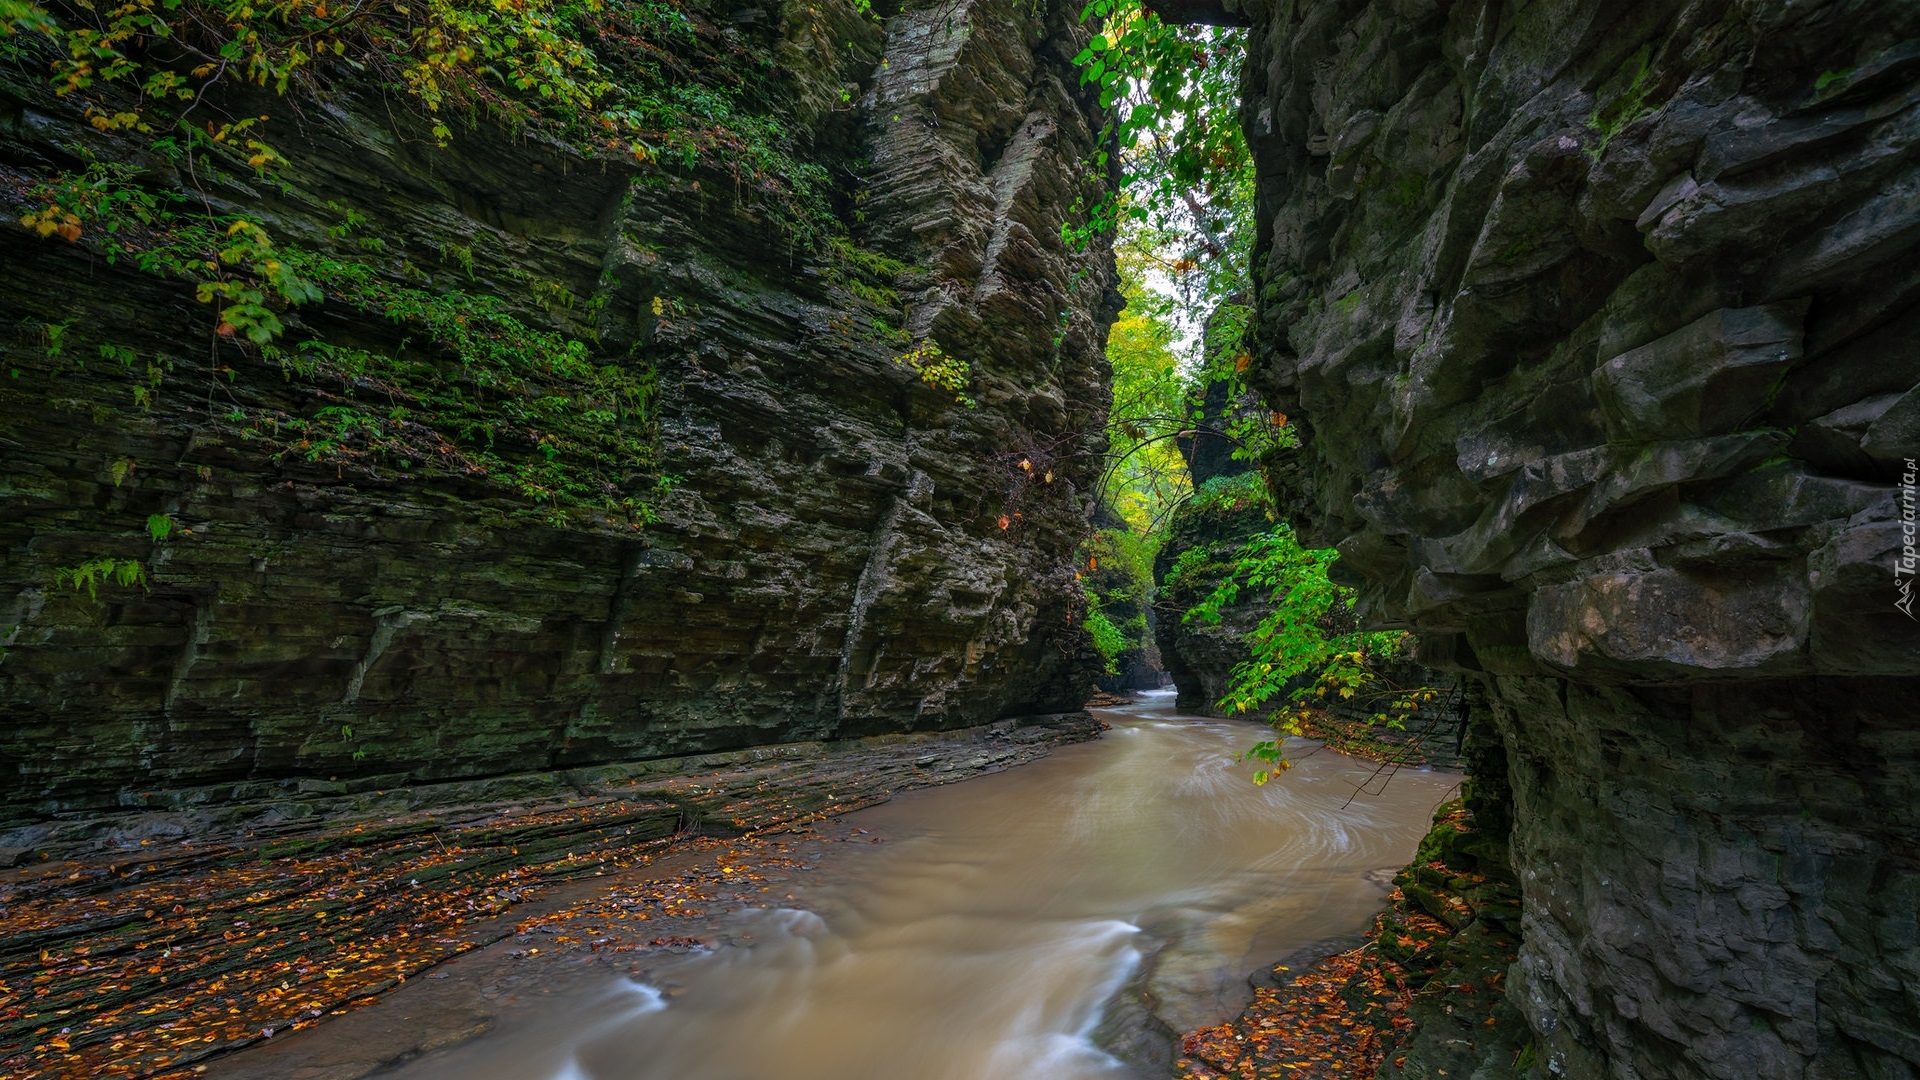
(984, 931)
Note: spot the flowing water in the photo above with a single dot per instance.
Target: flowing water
(994, 930)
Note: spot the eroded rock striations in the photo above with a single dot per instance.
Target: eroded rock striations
(1599, 321)
(818, 544)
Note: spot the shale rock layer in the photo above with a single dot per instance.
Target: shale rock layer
(801, 538)
(1599, 320)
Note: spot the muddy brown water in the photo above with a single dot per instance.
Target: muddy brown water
(996, 924)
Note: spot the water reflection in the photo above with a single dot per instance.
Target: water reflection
(985, 939)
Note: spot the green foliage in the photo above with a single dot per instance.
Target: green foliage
(939, 370)
(1188, 565)
(159, 526)
(245, 271)
(685, 124)
(1628, 102)
(1117, 574)
(460, 255)
(1185, 215)
(1308, 647)
(468, 389)
(1107, 639)
(1184, 233)
(606, 77)
(1123, 558)
(104, 199)
(1231, 494)
(471, 382)
(231, 261)
(18, 15)
(1256, 434)
(90, 574)
(1173, 95)
(1146, 476)
(471, 390)
(1294, 638)
(56, 338)
(875, 268)
(861, 276)
(443, 53)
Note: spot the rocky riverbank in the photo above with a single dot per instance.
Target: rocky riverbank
(1430, 974)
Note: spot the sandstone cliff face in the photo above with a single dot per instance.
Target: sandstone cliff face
(1599, 320)
(827, 547)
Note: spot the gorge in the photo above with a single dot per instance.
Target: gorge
(400, 456)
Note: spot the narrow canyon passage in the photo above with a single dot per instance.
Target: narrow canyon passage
(979, 931)
(490, 490)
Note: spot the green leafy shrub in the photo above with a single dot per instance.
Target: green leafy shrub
(1107, 639)
(640, 79)
(1117, 573)
(1308, 648)
(90, 575)
(939, 370)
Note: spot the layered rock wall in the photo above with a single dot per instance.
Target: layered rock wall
(821, 545)
(1599, 323)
